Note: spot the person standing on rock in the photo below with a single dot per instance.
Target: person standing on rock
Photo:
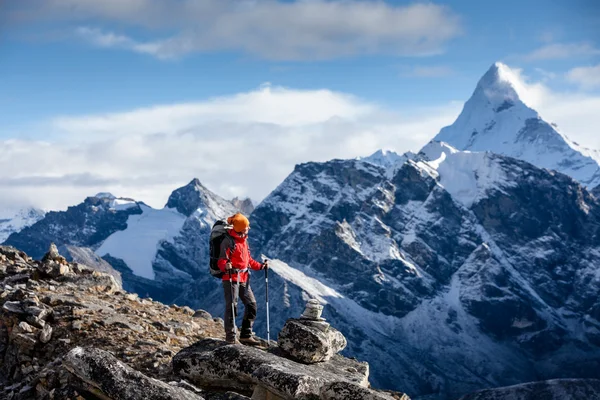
(234, 261)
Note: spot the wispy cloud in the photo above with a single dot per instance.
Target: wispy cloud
(586, 77)
(557, 51)
(276, 30)
(239, 145)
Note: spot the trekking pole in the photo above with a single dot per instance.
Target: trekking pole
(267, 297)
(233, 303)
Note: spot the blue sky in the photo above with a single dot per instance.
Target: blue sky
(78, 61)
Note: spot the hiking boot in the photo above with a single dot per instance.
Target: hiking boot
(250, 341)
(233, 341)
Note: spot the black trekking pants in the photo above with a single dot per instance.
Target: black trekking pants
(241, 291)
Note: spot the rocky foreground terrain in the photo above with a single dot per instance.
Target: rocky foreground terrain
(68, 331)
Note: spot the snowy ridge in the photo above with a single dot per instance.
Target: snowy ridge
(11, 222)
(158, 239)
(467, 176)
(496, 119)
(138, 244)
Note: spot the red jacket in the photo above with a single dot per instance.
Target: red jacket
(240, 258)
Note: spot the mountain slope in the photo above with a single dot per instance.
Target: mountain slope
(496, 119)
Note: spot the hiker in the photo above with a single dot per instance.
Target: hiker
(234, 262)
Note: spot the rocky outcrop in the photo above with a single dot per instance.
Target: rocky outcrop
(70, 332)
(45, 314)
(558, 389)
(102, 371)
(215, 364)
(284, 372)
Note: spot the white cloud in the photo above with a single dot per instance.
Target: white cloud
(300, 30)
(586, 77)
(575, 113)
(239, 145)
(557, 51)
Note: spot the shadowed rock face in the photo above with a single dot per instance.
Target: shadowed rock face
(559, 389)
(103, 371)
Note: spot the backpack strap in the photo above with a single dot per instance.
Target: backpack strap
(232, 240)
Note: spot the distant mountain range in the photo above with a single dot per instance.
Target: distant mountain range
(472, 264)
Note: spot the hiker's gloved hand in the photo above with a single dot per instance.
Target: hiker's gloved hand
(228, 266)
(265, 265)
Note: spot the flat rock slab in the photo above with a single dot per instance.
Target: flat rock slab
(213, 363)
(116, 380)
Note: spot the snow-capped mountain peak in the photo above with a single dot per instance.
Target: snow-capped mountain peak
(105, 195)
(195, 197)
(384, 158)
(496, 119)
(501, 86)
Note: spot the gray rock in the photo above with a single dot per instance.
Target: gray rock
(557, 389)
(122, 322)
(25, 327)
(52, 254)
(24, 341)
(214, 364)
(13, 307)
(262, 393)
(350, 391)
(45, 334)
(202, 315)
(310, 341)
(118, 381)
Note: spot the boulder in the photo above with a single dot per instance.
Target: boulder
(116, 380)
(202, 315)
(310, 341)
(212, 363)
